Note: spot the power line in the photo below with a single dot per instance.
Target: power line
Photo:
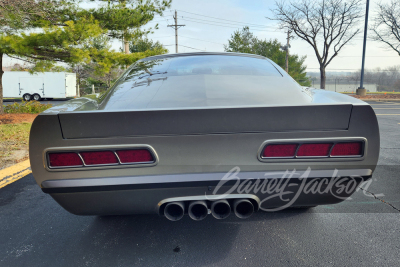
(225, 23)
(156, 37)
(202, 40)
(189, 20)
(222, 19)
(214, 23)
(192, 48)
(164, 19)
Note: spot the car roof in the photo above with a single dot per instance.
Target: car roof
(202, 54)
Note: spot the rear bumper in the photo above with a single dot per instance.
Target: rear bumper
(147, 194)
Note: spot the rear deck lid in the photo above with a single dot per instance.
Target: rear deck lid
(100, 123)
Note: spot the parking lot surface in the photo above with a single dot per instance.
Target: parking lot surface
(364, 230)
(54, 102)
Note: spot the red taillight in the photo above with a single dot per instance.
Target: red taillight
(134, 156)
(102, 158)
(300, 150)
(314, 150)
(99, 157)
(280, 151)
(347, 149)
(68, 159)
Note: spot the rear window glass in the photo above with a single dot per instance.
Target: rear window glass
(203, 65)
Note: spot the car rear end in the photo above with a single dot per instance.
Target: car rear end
(198, 160)
(177, 158)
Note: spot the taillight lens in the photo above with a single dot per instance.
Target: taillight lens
(347, 149)
(299, 150)
(280, 151)
(99, 157)
(314, 150)
(134, 156)
(68, 159)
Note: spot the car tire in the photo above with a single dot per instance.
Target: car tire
(26, 97)
(36, 97)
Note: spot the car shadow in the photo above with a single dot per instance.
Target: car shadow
(141, 239)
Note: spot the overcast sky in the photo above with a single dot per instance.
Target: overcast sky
(210, 23)
(212, 37)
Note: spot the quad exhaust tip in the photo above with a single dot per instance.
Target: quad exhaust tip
(243, 208)
(198, 210)
(220, 209)
(174, 211)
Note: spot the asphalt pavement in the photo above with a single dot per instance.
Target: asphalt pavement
(364, 230)
(54, 102)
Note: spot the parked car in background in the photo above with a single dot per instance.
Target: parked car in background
(22, 84)
(175, 126)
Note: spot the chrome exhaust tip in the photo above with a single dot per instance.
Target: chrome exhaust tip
(174, 211)
(243, 208)
(220, 209)
(198, 210)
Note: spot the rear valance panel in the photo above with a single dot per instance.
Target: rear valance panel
(204, 121)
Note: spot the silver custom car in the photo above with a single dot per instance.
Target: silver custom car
(203, 133)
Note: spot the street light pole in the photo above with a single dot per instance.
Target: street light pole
(361, 90)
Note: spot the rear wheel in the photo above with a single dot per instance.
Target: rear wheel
(26, 97)
(36, 97)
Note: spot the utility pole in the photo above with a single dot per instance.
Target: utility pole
(176, 27)
(287, 52)
(361, 90)
(286, 48)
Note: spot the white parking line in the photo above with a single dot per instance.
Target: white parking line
(388, 114)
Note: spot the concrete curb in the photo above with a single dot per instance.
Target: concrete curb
(14, 173)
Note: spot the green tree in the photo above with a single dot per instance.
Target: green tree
(49, 31)
(124, 19)
(244, 41)
(144, 44)
(38, 32)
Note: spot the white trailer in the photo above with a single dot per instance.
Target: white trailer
(39, 85)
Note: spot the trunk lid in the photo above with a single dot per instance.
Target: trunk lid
(103, 123)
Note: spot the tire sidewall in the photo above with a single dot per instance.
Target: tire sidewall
(24, 97)
(36, 96)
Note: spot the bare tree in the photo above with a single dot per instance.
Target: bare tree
(327, 25)
(386, 79)
(386, 28)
